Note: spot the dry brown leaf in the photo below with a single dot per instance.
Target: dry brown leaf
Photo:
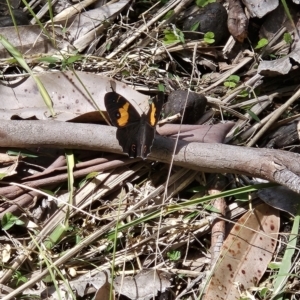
(258, 8)
(104, 293)
(8, 165)
(280, 66)
(8, 169)
(79, 286)
(5, 253)
(197, 133)
(5, 158)
(30, 39)
(281, 198)
(81, 283)
(68, 94)
(275, 21)
(144, 285)
(89, 20)
(245, 254)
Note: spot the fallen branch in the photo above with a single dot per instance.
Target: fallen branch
(274, 165)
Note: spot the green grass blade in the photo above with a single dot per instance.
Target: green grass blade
(287, 11)
(286, 264)
(13, 18)
(39, 22)
(56, 235)
(70, 165)
(173, 208)
(53, 270)
(234, 192)
(19, 58)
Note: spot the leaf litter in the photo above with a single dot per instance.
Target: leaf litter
(122, 240)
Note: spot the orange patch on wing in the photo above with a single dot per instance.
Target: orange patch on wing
(152, 115)
(124, 116)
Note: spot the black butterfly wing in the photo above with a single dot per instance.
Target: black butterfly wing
(120, 111)
(125, 117)
(145, 137)
(129, 138)
(135, 132)
(147, 131)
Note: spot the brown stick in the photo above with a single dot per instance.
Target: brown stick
(14, 192)
(218, 225)
(275, 165)
(24, 200)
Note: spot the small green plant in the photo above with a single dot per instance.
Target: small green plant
(174, 255)
(209, 37)
(65, 62)
(288, 38)
(19, 277)
(264, 292)
(70, 60)
(203, 3)
(9, 220)
(173, 36)
(243, 94)
(261, 43)
(232, 81)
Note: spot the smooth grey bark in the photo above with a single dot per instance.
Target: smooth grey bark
(279, 166)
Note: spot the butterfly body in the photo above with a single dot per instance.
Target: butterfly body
(135, 131)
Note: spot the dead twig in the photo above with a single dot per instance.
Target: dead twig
(278, 166)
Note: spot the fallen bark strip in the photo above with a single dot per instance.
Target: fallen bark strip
(22, 197)
(279, 166)
(19, 204)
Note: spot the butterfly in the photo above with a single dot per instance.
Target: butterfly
(135, 131)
